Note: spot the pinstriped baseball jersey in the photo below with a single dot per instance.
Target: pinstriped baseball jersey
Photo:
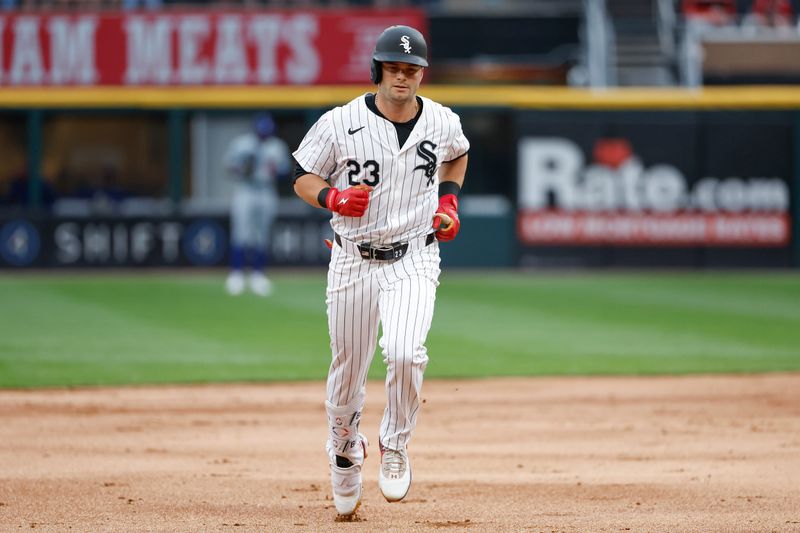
(351, 145)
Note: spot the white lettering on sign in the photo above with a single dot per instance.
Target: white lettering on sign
(68, 243)
(27, 67)
(554, 175)
(265, 32)
(105, 243)
(96, 243)
(230, 60)
(192, 31)
(72, 45)
(160, 49)
(637, 229)
(149, 50)
(303, 64)
(170, 233)
(2, 28)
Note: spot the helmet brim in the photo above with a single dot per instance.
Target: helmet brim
(400, 57)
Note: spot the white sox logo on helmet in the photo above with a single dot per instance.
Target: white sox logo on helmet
(405, 43)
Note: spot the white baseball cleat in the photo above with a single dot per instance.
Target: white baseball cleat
(346, 489)
(235, 283)
(346, 483)
(260, 284)
(394, 478)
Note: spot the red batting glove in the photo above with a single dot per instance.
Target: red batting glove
(351, 202)
(448, 206)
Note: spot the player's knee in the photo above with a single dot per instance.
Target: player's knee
(406, 356)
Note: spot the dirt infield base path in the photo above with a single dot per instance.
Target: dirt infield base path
(545, 454)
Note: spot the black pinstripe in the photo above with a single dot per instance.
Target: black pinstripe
(397, 296)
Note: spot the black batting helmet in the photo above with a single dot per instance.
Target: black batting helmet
(403, 44)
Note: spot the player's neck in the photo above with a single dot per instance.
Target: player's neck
(397, 111)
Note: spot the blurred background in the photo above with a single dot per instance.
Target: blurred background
(605, 133)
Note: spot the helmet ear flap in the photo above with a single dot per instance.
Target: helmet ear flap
(375, 71)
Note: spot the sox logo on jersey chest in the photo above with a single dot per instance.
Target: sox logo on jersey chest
(425, 151)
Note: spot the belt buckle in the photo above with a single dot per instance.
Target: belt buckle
(382, 253)
(367, 251)
(374, 251)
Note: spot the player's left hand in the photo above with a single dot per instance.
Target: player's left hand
(445, 220)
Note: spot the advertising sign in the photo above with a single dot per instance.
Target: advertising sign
(247, 47)
(150, 242)
(655, 179)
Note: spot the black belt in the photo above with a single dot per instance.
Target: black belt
(383, 253)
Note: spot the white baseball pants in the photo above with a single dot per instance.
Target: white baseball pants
(399, 295)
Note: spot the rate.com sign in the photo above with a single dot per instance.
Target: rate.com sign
(601, 190)
(194, 48)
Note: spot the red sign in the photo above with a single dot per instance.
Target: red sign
(682, 229)
(194, 48)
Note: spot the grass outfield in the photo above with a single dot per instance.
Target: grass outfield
(68, 329)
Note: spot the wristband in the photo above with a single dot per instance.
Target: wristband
(322, 196)
(449, 187)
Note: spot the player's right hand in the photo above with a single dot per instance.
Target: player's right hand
(351, 202)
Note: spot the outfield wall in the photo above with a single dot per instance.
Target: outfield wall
(201, 240)
(629, 177)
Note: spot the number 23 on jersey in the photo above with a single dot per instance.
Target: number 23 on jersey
(368, 173)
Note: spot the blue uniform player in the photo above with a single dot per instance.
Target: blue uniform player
(255, 161)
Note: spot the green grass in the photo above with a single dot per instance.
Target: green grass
(67, 329)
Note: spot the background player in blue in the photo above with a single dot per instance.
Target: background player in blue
(255, 160)
(389, 165)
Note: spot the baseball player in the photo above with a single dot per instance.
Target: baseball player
(255, 161)
(389, 165)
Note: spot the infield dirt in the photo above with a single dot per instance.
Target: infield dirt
(699, 453)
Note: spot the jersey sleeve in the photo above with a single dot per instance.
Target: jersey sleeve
(316, 151)
(459, 144)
